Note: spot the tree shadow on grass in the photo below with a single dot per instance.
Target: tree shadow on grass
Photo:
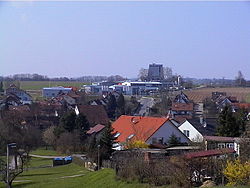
(23, 184)
(39, 174)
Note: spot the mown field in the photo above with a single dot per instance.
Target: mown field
(38, 85)
(34, 88)
(198, 95)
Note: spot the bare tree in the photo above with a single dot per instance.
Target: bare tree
(240, 80)
(14, 171)
(143, 74)
(49, 136)
(167, 72)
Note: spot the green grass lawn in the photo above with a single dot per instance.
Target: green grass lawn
(63, 176)
(41, 174)
(248, 99)
(47, 152)
(38, 85)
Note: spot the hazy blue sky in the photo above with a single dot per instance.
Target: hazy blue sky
(204, 40)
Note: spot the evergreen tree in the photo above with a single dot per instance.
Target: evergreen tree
(106, 142)
(241, 120)
(173, 140)
(111, 106)
(68, 121)
(1, 87)
(120, 106)
(81, 123)
(228, 125)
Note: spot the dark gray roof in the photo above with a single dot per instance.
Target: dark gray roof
(208, 130)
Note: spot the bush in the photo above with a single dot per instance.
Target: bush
(136, 144)
(237, 172)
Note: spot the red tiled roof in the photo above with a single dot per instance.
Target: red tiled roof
(219, 138)
(141, 127)
(209, 153)
(182, 107)
(95, 114)
(242, 105)
(95, 129)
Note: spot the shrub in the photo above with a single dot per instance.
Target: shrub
(136, 144)
(237, 172)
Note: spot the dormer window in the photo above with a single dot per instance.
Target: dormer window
(117, 134)
(130, 136)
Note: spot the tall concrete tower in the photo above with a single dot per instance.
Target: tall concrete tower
(155, 72)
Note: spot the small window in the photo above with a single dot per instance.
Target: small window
(221, 146)
(230, 145)
(186, 132)
(117, 134)
(160, 140)
(154, 140)
(131, 136)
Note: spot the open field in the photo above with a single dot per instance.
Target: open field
(198, 95)
(34, 88)
(38, 85)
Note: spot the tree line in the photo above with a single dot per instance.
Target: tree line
(38, 77)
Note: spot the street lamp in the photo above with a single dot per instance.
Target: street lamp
(11, 145)
(98, 156)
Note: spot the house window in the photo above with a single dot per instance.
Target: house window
(186, 132)
(160, 140)
(130, 136)
(221, 145)
(117, 134)
(156, 140)
(230, 145)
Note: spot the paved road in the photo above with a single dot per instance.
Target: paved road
(146, 104)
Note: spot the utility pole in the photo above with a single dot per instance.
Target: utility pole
(98, 157)
(12, 145)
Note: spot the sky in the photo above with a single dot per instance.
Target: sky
(195, 39)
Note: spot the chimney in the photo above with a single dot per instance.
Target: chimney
(201, 120)
(205, 124)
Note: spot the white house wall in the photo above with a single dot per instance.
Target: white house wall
(194, 134)
(165, 132)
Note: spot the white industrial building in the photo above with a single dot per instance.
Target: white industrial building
(50, 92)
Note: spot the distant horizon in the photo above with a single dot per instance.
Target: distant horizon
(202, 40)
(75, 77)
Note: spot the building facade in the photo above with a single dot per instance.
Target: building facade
(50, 92)
(155, 72)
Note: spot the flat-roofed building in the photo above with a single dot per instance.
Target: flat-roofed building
(155, 72)
(50, 92)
